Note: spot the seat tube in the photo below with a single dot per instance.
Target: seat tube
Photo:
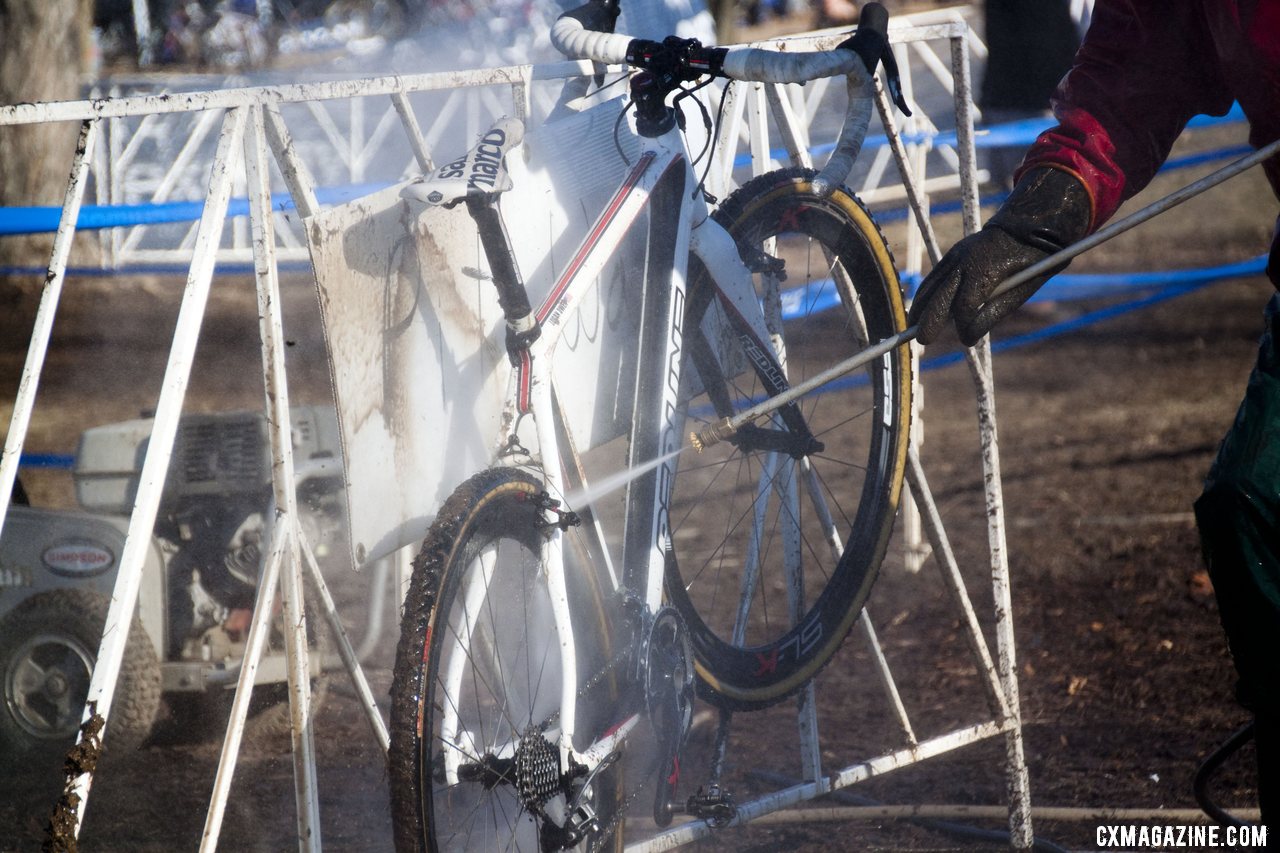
(553, 555)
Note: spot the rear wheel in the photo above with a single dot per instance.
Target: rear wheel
(778, 534)
(474, 759)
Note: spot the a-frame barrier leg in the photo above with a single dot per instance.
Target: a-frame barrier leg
(155, 467)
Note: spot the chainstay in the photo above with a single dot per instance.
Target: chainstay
(602, 838)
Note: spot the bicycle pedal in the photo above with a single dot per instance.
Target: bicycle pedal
(714, 805)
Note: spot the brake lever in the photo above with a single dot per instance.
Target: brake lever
(893, 80)
(871, 42)
(600, 16)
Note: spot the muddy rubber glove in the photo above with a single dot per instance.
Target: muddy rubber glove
(1047, 211)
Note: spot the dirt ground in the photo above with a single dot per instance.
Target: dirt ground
(1105, 435)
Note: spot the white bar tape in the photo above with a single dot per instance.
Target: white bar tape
(757, 65)
(771, 66)
(576, 42)
(856, 120)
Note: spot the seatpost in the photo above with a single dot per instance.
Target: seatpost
(522, 326)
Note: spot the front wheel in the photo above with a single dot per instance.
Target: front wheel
(778, 534)
(474, 761)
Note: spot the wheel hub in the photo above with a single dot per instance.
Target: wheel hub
(45, 677)
(55, 686)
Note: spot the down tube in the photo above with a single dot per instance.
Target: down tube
(657, 422)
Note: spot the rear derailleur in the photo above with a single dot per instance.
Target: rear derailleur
(534, 772)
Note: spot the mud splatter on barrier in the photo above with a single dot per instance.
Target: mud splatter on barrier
(60, 834)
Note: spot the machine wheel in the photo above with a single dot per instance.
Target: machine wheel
(48, 647)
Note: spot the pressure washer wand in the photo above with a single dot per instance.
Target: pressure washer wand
(727, 427)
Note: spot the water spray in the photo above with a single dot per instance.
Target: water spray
(726, 428)
(590, 493)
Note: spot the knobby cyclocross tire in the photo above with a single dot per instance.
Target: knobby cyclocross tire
(477, 673)
(777, 540)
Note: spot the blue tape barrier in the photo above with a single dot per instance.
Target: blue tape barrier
(799, 302)
(222, 269)
(1013, 134)
(62, 461)
(38, 220)
(899, 214)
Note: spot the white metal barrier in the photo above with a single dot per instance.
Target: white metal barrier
(160, 158)
(253, 122)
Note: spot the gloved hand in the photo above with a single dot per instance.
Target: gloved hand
(1047, 211)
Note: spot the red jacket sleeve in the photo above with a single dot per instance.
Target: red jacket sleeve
(1145, 68)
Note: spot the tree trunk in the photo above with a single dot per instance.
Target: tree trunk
(42, 55)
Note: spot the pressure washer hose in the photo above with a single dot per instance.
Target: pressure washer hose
(1200, 782)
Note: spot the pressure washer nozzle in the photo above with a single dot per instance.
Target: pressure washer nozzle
(713, 434)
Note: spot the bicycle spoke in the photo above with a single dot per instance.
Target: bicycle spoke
(477, 680)
(491, 671)
(780, 520)
(542, 668)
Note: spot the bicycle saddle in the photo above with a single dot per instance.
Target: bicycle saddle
(481, 171)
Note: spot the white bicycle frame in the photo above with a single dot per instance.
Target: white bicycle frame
(532, 393)
(532, 386)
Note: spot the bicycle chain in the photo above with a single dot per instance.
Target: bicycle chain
(618, 816)
(606, 833)
(590, 684)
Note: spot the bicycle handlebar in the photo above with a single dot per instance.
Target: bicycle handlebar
(856, 58)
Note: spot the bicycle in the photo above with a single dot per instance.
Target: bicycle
(525, 668)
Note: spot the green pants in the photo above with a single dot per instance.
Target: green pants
(1239, 520)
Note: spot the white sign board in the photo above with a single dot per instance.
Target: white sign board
(415, 333)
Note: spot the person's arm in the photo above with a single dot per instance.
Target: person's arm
(1145, 68)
